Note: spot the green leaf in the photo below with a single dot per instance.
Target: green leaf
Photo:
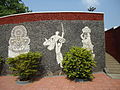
(78, 63)
(8, 7)
(25, 65)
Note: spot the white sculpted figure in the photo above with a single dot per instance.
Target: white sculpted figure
(18, 42)
(56, 42)
(86, 39)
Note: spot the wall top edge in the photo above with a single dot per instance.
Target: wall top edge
(40, 12)
(42, 16)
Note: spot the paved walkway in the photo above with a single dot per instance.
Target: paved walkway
(101, 82)
(112, 66)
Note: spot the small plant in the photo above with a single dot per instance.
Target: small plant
(25, 65)
(78, 63)
(1, 60)
(1, 64)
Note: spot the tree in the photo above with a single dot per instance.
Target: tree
(8, 7)
(91, 8)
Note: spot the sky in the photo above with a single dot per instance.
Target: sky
(110, 8)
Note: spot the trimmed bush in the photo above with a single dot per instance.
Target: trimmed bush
(78, 63)
(1, 60)
(25, 65)
(1, 64)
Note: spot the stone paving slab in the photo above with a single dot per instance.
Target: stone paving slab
(101, 82)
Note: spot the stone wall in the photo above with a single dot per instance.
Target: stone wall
(44, 25)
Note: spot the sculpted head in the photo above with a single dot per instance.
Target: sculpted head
(57, 32)
(86, 30)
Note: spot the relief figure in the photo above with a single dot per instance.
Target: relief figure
(55, 42)
(86, 39)
(18, 42)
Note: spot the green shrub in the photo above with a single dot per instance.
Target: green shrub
(25, 65)
(1, 64)
(1, 60)
(78, 63)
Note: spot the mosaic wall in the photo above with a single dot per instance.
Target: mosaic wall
(53, 37)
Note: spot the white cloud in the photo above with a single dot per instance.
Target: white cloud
(91, 2)
(105, 29)
(115, 27)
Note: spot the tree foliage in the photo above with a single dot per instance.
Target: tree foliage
(91, 8)
(8, 7)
